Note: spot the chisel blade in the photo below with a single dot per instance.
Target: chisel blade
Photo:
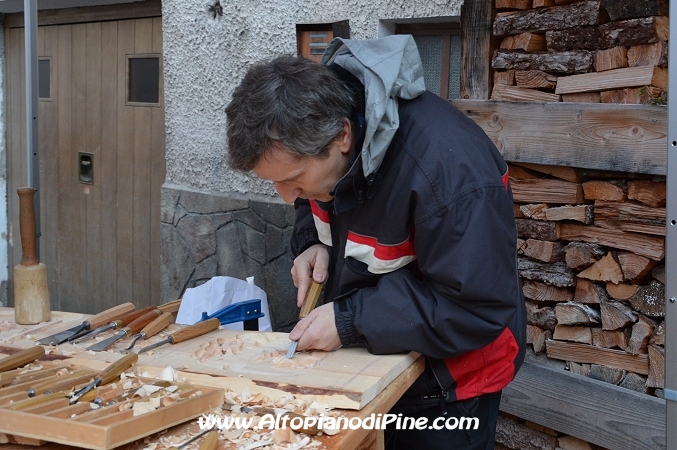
(62, 336)
(152, 346)
(93, 322)
(103, 345)
(312, 295)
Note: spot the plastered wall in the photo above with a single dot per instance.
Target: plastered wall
(205, 57)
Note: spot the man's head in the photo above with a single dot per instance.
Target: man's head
(289, 121)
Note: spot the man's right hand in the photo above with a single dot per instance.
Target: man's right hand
(313, 263)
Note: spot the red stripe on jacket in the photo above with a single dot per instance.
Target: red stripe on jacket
(386, 252)
(319, 212)
(485, 370)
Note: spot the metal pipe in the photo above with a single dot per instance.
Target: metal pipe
(32, 143)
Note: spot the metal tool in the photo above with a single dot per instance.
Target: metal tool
(191, 331)
(21, 358)
(153, 328)
(209, 443)
(248, 312)
(133, 328)
(114, 324)
(70, 381)
(106, 376)
(95, 321)
(309, 303)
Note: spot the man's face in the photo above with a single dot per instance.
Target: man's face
(308, 177)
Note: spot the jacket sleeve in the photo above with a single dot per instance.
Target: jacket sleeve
(469, 291)
(304, 234)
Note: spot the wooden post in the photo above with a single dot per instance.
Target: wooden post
(478, 46)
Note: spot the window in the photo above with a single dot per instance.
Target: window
(312, 39)
(44, 79)
(439, 45)
(143, 80)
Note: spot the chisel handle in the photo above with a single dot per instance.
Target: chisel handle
(195, 330)
(157, 325)
(132, 316)
(27, 227)
(210, 441)
(113, 371)
(21, 358)
(137, 324)
(110, 315)
(171, 307)
(312, 296)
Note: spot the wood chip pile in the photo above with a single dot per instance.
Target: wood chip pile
(608, 51)
(591, 257)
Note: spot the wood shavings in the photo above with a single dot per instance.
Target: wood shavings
(167, 374)
(142, 408)
(284, 436)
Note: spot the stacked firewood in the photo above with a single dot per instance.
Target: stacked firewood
(609, 51)
(591, 258)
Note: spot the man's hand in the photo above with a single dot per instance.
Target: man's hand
(317, 331)
(314, 262)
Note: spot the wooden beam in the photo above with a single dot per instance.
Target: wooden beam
(477, 43)
(585, 408)
(625, 138)
(614, 79)
(587, 354)
(650, 246)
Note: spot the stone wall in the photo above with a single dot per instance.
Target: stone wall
(208, 234)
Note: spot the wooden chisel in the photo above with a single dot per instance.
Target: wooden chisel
(93, 322)
(106, 376)
(153, 328)
(114, 324)
(191, 331)
(309, 303)
(133, 328)
(21, 358)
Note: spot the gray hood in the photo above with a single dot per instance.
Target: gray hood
(388, 68)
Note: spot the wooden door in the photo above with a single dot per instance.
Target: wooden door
(100, 229)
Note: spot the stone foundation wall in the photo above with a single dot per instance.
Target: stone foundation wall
(207, 234)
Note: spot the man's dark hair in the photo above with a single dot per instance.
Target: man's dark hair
(289, 101)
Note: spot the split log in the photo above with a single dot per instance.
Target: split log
(582, 97)
(612, 191)
(553, 18)
(612, 58)
(656, 367)
(588, 354)
(529, 42)
(606, 374)
(650, 299)
(517, 212)
(513, 4)
(606, 269)
(564, 62)
(546, 191)
(522, 173)
(536, 229)
(535, 211)
(579, 213)
(581, 254)
(578, 369)
(626, 33)
(535, 79)
(610, 338)
(537, 337)
(630, 9)
(542, 3)
(630, 96)
(542, 292)
(520, 246)
(589, 292)
(573, 334)
(520, 94)
(658, 273)
(565, 173)
(616, 315)
(658, 336)
(636, 268)
(614, 79)
(571, 313)
(650, 246)
(651, 193)
(545, 251)
(506, 77)
(641, 332)
(630, 216)
(655, 54)
(557, 274)
(635, 382)
(541, 317)
(621, 291)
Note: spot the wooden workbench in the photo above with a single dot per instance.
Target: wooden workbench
(345, 439)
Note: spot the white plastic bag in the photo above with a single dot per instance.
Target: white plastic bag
(218, 293)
